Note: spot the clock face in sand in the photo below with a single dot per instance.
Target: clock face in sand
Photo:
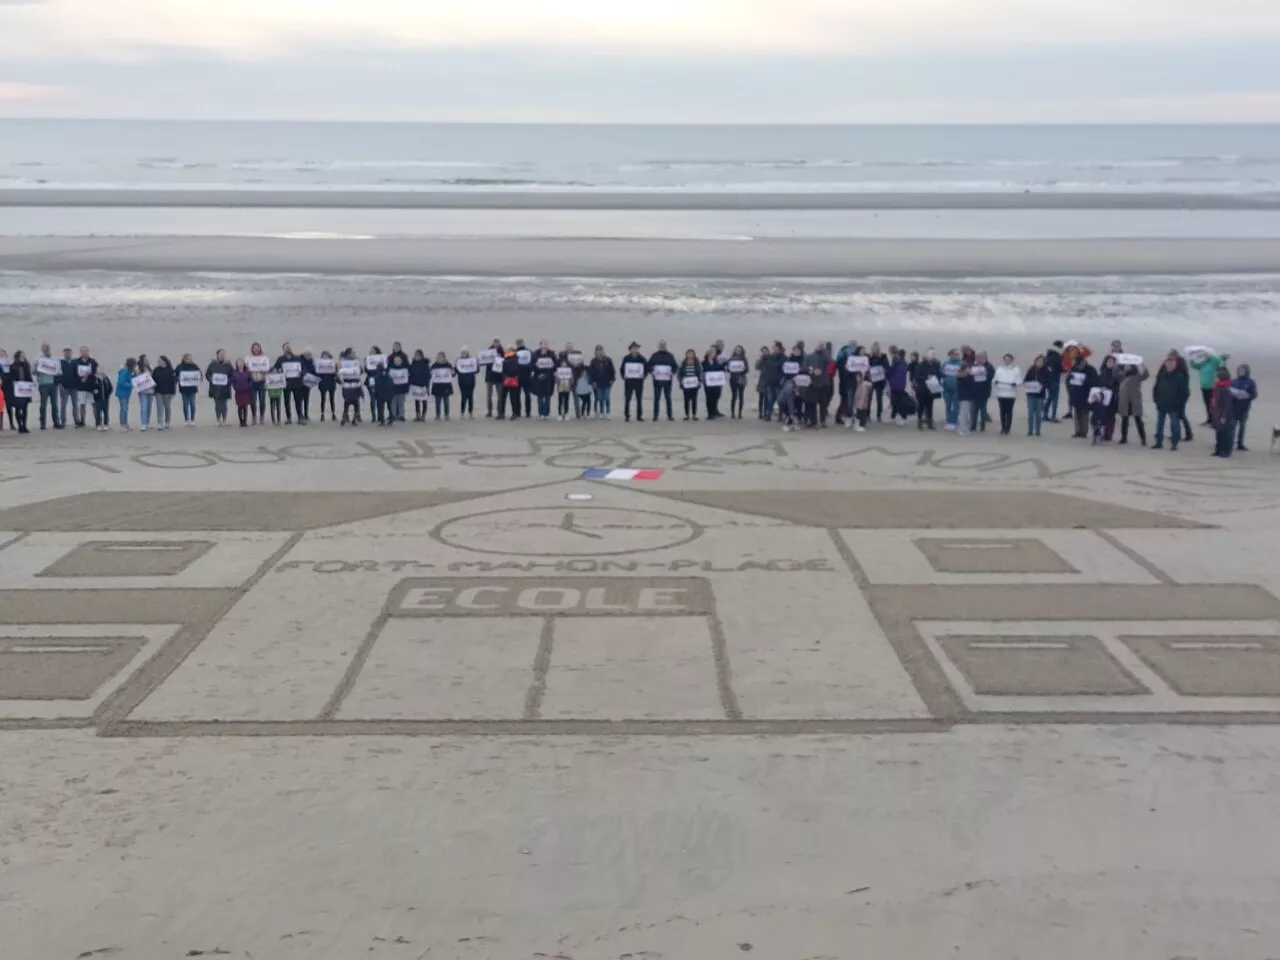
(572, 530)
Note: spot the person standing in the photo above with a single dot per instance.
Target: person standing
(524, 360)
(927, 378)
(21, 387)
(398, 374)
(564, 385)
(84, 371)
(48, 372)
(420, 385)
(1222, 415)
(713, 381)
(466, 368)
(737, 368)
(1005, 383)
(290, 364)
(258, 369)
(1109, 380)
(442, 373)
(543, 378)
(1081, 379)
(351, 376)
(146, 392)
(242, 388)
(690, 374)
(1170, 394)
(218, 374)
(189, 386)
(100, 397)
(950, 388)
(898, 378)
(1207, 363)
(602, 374)
(510, 386)
(662, 367)
(1052, 381)
(967, 394)
(326, 369)
(634, 366)
(493, 378)
(1243, 392)
(878, 373)
(124, 390)
(166, 386)
(68, 388)
(1129, 401)
(1035, 385)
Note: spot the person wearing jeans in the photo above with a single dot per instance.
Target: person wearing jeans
(124, 389)
(1035, 389)
(1170, 394)
(950, 388)
(1243, 392)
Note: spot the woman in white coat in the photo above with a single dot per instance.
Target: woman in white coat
(1005, 386)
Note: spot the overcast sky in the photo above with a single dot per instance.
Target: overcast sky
(644, 60)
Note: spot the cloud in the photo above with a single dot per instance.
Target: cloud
(254, 29)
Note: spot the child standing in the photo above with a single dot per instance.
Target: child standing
(275, 393)
(564, 386)
(862, 404)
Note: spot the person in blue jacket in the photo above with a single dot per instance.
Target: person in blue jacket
(124, 390)
(1243, 392)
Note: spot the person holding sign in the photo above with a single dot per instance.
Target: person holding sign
(1005, 383)
(189, 386)
(690, 374)
(524, 360)
(275, 385)
(309, 381)
(351, 376)
(48, 370)
(491, 360)
(166, 386)
(1128, 402)
(878, 374)
(442, 384)
(927, 380)
(1081, 380)
(662, 367)
(467, 368)
(85, 373)
(737, 367)
(144, 385)
(1035, 385)
(713, 378)
(398, 372)
(290, 364)
(634, 366)
(259, 365)
(564, 386)
(218, 373)
(22, 387)
(124, 390)
(543, 378)
(326, 373)
(419, 384)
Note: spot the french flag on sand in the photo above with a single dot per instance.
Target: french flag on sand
(600, 473)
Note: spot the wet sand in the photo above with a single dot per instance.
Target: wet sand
(813, 258)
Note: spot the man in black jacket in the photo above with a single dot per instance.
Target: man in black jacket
(1170, 394)
(84, 376)
(524, 358)
(290, 364)
(662, 367)
(493, 377)
(1082, 378)
(633, 366)
(67, 386)
(1053, 381)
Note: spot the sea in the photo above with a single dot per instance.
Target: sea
(1132, 181)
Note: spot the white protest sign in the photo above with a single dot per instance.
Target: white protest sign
(292, 369)
(524, 357)
(375, 360)
(350, 369)
(737, 366)
(662, 373)
(23, 389)
(876, 374)
(857, 364)
(310, 380)
(325, 365)
(49, 366)
(1033, 386)
(84, 370)
(275, 381)
(790, 367)
(441, 375)
(1198, 350)
(497, 366)
(466, 365)
(486, 357)
(803, 380)
(1128, 359)
(564, 374)
(633, 371)
(5, 364)
(545, 363)
(399, 376)
(220, 379)
(143, 382)
(575, 359)
(689, 383)
(1077, 378)
(979, 373)
(257, 364)
(714, 378)
(933, 386)
(418, 392)
(189, 378)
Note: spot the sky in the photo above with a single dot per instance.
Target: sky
(637, 61)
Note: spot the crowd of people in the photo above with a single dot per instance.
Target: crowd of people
(797, 387)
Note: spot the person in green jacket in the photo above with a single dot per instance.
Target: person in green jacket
(1207, 365)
